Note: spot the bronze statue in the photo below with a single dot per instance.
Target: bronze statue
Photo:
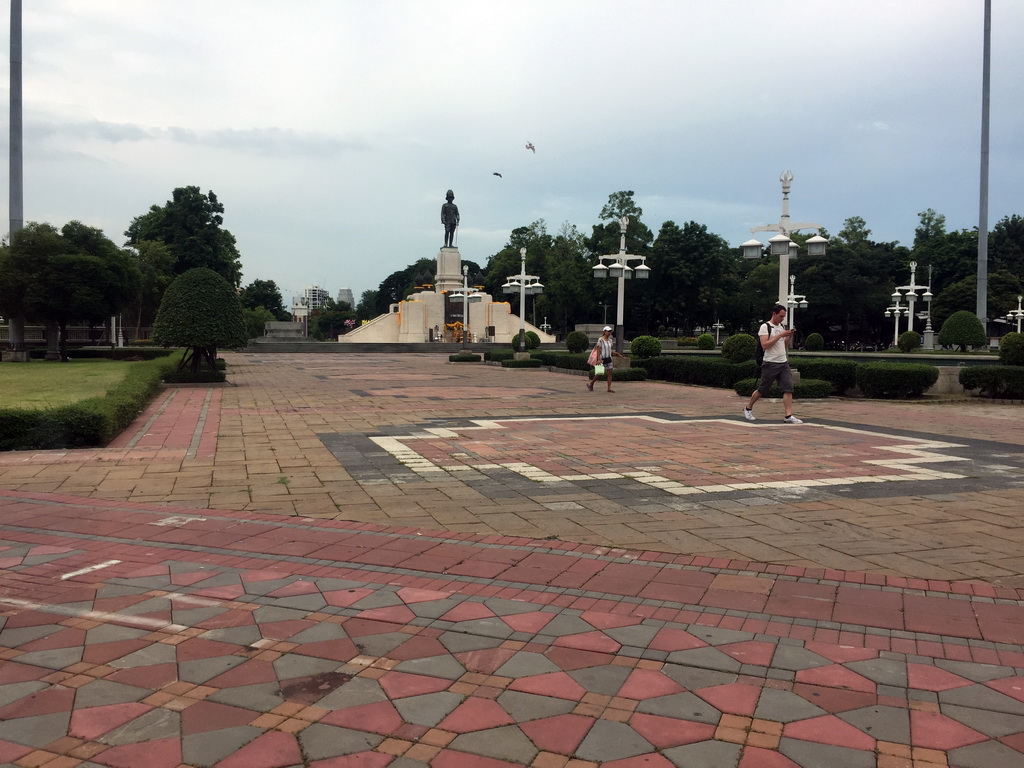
(450, 219)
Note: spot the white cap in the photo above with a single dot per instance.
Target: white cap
(608, 328)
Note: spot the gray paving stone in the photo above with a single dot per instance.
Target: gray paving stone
(13, 691)
(881, 671)
(321, 741)
(707, 658)
(268, 613)
(979, 673)
(157, 653)
(693, 678)
(262, 588)
(882, 723)
(994, 724)
(718, 635)
(13, 638)
(293, 665)
(380, 598)
(380, 645)
(211, 747)
(457, 642)
(638, 636)
(336, 585)
(110, 633)
(190, 617)
(146, 584)
(434, 609)
(103, 692)
(978, 697)
(683, 706)
(58, 658)
(428, 709)
(234, 635)
(509, 607)
(261, 697)
(153, 605)
(357, 691)
(324, 630)
(524, 707)
(434, 666)
(491, 627)
(307, 603)
(155, 724)
(987, 754)
(706, 754)
(119, 590)
(785, 707)
(808, 754)
(36, 731)
(795, 659)
(527, 664)
(201, 670)
(606, 680)
(608, 740)
(505, 743)
(566, 624)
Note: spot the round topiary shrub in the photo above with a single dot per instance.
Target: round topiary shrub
(705, 341)
(909, 341)
(963, 329)
(644, 347)
(1011, 349)
(815, 342)
(739, 348)
(532, 341)
(201, 312)
(577, 342)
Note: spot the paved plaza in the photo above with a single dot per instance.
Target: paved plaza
(342, 561)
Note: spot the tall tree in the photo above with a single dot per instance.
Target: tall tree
(266, 294)
(191, 225)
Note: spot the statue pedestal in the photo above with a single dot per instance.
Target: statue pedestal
(11, 356)
(449, 270)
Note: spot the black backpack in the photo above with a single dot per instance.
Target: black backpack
(758, 349)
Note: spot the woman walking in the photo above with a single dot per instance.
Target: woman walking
(603, 351)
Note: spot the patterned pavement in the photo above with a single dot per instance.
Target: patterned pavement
(142, 624)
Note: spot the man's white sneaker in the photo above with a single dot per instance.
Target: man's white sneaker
(792, 420)
(748, 414)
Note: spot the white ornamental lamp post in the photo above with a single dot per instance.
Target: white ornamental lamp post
(794, 300)
(466, 297)
(544, 326)
(524, 285)
(895, 311)
(910, 290)
(618, 267)
(718, 327)
(1016, 314)
(781, 245)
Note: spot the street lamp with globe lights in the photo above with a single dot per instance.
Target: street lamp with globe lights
(781, 245)
(466, 297)
(524, 285)
(895, 311)
(618, 267)
(1016, 314)
(794, 301)
(909, 292)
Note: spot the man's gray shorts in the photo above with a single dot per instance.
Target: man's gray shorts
(775, 372)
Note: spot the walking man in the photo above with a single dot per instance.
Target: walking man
(775, 340)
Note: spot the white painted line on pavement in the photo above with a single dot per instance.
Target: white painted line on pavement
(90, 569)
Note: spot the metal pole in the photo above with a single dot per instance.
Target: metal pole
(986, 76)
(16, 179)
(522, 299)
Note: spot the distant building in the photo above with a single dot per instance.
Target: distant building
(345, 296)
(312, 299)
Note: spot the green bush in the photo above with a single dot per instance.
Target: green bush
(577, 341)
(92, 422)
(739, 348)
(705, 341)
(909, 341)
(963, 329)
(815, 342)
(532, 341)
(531, 363)
(464, 357)
(497, 355)
(895, 380)
(1011, 349)
(1004, 381)
(644, 347)
(805, 389)
(705, 371)
(633, 373)
(841, 373)
(572, 362)
(202, 376)
(684, 342)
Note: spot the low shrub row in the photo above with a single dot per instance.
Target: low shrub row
(709, 372)
(529, 363)
(464, 357)
(117, 353)
(806, 389)
(841, 373)
(895, 380)
(92, 422)
(572, 362)
(497, 355)
(994, 380)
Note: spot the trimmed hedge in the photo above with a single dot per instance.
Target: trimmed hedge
(87, 423)
(115, 353)
(895, 380)
(705, 341)
(572, 362)
(814, 343)
(995, 381)
(645, 347)
(188, 376)
(576, 341)
(464, 357)
(531, 363)
(1011, 349)
(805, 389)
(739, 348)
(497, 355)
(531, 339)
(706, 371)
(633, 373)
(842, 373)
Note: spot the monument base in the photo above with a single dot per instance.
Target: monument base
(12, 356)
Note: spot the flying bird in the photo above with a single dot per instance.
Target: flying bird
(529, 146)
(498, 175)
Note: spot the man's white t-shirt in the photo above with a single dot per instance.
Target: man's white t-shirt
(776, 353)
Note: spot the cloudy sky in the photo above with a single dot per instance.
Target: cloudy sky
(331, 129)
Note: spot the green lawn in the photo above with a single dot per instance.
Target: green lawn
(40, 384)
